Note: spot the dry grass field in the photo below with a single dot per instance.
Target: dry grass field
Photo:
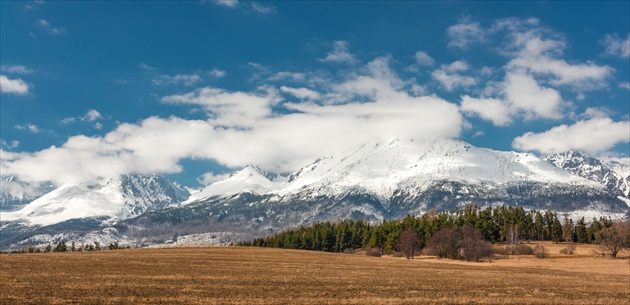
(234, 275)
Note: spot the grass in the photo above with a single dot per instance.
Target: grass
(234, 275)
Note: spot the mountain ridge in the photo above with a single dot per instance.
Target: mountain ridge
(374, 181)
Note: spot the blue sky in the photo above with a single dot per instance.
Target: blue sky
(196, 89)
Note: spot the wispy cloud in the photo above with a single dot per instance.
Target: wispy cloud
(16, 69)
(465, 33)
(45, 25)
(209, 178)
(13, 86)
(92, 116)
(145, 67)
(262, 8)
(616, 46)
(183, 79)
(226, 3)
(28, 127)
(12, 145)
(301, 93)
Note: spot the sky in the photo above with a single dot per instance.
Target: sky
(196, 89)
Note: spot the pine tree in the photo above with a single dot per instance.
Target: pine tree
(581, 231)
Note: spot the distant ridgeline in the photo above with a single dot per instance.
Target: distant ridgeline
(495, 225)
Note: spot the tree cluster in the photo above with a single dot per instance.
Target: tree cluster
(501, 224)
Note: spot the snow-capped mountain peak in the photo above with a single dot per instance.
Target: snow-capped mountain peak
(583, 165)
(250, 179)
(381, 166)
(111, 200)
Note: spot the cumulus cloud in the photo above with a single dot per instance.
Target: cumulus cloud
(13, 86)
(582, 76)
(525, 96)
(465, 33)
(593, 136)
(624, 85)
(183, 79)
(537, 50)
(490, 109)
(616, 46)
(301, 93)
(450, 78)
(339, 53)
(535, 75)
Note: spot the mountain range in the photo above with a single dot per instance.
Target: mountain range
(374, 181)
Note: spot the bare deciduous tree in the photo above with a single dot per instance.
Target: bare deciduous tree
(613, 239)
(409, 242)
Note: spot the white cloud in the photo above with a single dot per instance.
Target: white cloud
(285, 75)
(239, 109)
(339, 53)
(91, 116)
(583, 76)
(226, 3)
(624, 85)
(28, 127)
(534, 76)
(263, 9)
(243, 129)
(593, 136)
(12, 145)
(16, 69)
(536, 50)
(493, 110)
(423, 59)
(465, 33)
(301, 93)
(449, 77)
(45, 25)
(531, 100)
(145, 67)
(210, 178)
(594, 112)
(13, 86)
(217, 73)
(617, 46)
(184, 79)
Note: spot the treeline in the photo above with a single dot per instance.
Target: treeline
(63, 247)
(501, 224)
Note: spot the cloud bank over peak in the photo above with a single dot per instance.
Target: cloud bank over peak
(258, 127)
